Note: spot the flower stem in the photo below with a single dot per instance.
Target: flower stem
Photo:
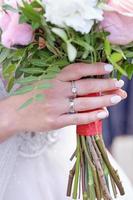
(99, 170)
(77, 170)
(92, 167)
(112, 171)
(70, 180)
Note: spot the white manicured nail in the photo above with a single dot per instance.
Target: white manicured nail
(119, 83)
(102, 115)
(124, 94)
(116, 99)
(108, 68)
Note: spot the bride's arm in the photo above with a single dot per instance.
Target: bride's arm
(8, 118)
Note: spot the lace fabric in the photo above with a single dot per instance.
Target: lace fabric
(34, 144)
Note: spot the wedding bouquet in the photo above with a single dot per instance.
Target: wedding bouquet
(39, 38)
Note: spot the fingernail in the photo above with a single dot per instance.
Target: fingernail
(106, 110)
(124, 94)
(119, 83)
(108, 68)
(102, 115)
(116, 99)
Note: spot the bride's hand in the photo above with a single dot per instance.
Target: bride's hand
(53, 112)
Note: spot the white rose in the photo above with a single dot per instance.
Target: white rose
(78, 14)
(13, 2)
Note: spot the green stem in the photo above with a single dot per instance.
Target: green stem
(99, 169)
(91, 184)
(113, 187)
(92, 167)
(70, 180)
(77, 170)
(112, 171)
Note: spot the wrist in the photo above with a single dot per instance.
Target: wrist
(8, 119)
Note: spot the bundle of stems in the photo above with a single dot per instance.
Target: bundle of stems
(92, 172)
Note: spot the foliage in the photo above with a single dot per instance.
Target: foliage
(48, 54)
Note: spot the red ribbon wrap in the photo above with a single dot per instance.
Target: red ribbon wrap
(91, 129)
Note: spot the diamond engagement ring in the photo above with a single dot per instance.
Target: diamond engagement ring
(74, 89)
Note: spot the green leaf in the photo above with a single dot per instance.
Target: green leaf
(22, 19)
(55, 69)
(71, 52)
(30, 13)
(4, 54)
(32, 70)
(9, 71)
(107, 47)
(49, 35)
(83, 44)
(43, 86)
(39, 97)
(23, 90)
(38, 62)
(60, 33)
(10, 84)
(116, 57)
(29, 79)
(119, 50)
(10, 8)
(129, 54)
(17, 54)
(129, 70)
(35, 25)
(61, 63)
(49, 75)
(26, 104)
(118, 67)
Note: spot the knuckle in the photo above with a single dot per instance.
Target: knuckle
(51, 122)
(109, 84)
(76, 119)
(89, 118)
(49, 107)
(74, 66)
(82, 105)
(85, 120)
(92, 86)
(102, 101)
(67, 69)
(79, 69)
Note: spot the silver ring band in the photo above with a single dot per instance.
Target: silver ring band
(71, 106)
(74, 89)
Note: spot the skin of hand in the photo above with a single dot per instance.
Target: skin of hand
(52, 112)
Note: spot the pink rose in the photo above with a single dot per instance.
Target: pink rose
(14, 33)
(124, 7)
(119, 21)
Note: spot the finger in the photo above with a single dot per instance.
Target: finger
(91, 103)
(119, 92)
(80, 70)
(81, 118)
(88, 86)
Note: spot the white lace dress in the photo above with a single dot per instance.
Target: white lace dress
(36, 166)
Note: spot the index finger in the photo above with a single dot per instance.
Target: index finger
(79, 70)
